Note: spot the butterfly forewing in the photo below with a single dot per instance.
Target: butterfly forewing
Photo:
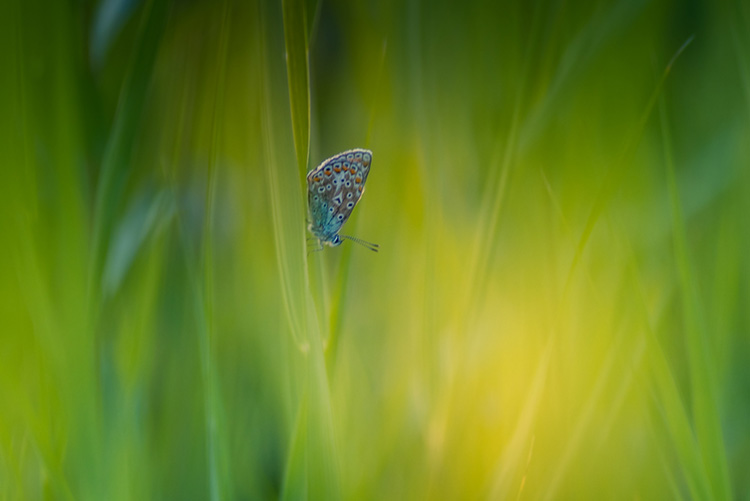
(334, 188)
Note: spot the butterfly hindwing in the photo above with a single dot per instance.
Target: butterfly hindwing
(334, 188)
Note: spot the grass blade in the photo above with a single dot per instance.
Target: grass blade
(702, 368)
(298, 75)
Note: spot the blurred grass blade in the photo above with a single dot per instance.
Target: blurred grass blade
(116, 162)
(339, 296)
(703, 376)
(297, 56)
(295, 471)
(617, 170)
(147, 213)
(509, 464)
(111, 16)
(321, 474)
(579, 55)
(583, 422)
(666, 395)
(218, 465)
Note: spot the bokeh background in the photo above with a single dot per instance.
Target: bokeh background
(560, 307)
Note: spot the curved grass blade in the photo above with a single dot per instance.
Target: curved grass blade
(317, 443)
(703, 377)
(119, 148)
(298, 75)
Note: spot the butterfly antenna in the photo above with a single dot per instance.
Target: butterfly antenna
(373, 247)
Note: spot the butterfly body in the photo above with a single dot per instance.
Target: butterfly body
(333, 190)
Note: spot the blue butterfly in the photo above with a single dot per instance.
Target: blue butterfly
(333, 189)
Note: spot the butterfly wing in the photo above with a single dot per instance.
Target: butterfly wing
(334, 188)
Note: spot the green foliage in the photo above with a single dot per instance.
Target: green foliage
(559, 307)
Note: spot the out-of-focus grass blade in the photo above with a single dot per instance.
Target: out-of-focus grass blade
(297, 57)
(218, 467)
(742, 61)
(617, 170)
(510, 462)
(702, 367)
(667, 397)
(668, 401)
(591, 40)
(583, 422)
(321, 476)
(579, 54)
(110, 17)
(118, 151)
(145, 215)
(338, 301)
(295, 474)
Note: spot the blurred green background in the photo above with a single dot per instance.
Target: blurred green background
(560, 307)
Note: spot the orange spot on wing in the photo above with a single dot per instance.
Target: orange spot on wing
(328, 173)
(316, 179)
(358, 179)
(337, 169)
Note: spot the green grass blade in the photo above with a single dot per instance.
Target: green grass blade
(287, 210)
(666, 396)
(118, 151)
(702, 366)
(217, 464)
(298, 75)
(617, 170)
(510, 462)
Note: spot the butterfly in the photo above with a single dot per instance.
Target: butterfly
(333, 189)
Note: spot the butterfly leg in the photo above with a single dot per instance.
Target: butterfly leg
(316, 249)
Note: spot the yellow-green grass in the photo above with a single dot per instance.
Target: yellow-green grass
(560, 308)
